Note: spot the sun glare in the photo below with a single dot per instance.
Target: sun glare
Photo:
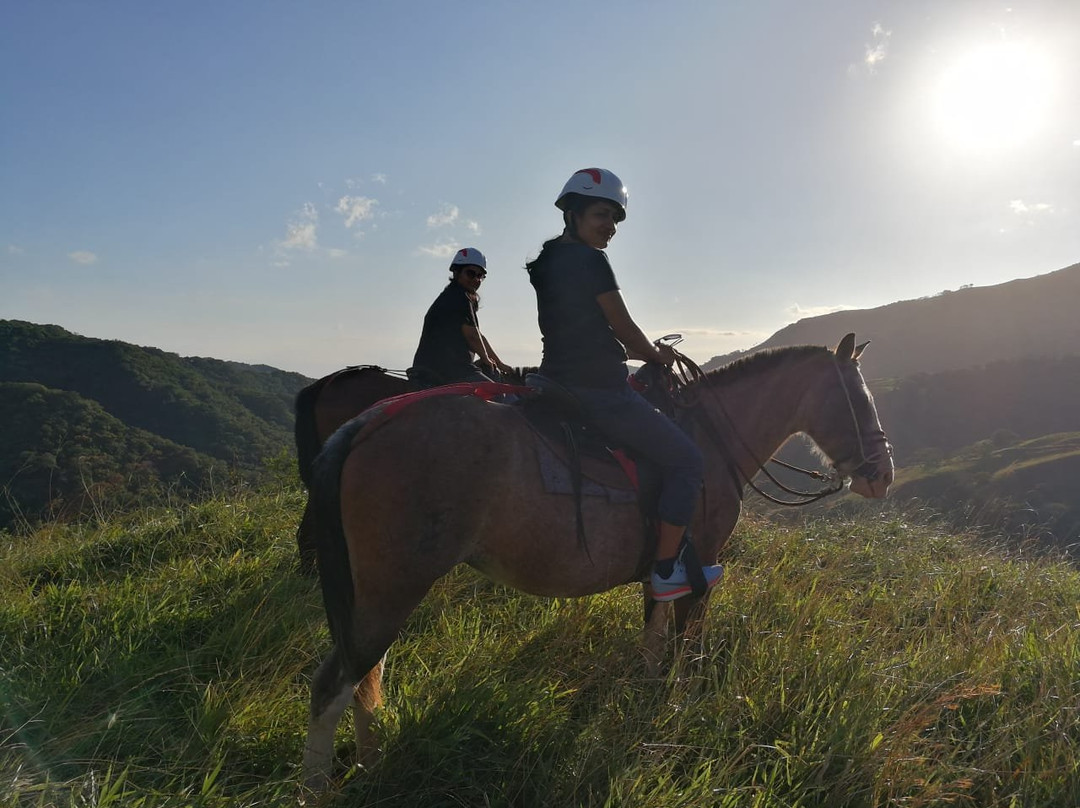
(994, 97)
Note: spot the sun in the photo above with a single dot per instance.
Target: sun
(994, 97)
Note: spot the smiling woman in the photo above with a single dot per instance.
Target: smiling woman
(995, 96)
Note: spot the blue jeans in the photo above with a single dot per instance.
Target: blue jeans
(627, 418)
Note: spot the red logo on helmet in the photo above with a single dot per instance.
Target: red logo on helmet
(463, 252)
(592, 172)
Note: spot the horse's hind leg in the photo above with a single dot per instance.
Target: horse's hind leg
(337, 682)
(332, 688)
(367, 697)
(331, 691)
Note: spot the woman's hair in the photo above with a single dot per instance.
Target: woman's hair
(473, 296)
(575, 206)
(530, 265)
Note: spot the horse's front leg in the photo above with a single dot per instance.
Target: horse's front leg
(690, 620)
(655, 632)
(689, 616)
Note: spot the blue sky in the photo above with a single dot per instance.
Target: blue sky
(283, 183)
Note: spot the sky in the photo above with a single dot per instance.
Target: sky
(284, 183)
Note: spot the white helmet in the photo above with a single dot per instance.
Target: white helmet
(595, 182)
(468, 256)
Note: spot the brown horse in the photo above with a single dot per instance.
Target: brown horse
(326, 404)
(397, 507)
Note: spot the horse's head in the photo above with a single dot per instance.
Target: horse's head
(851, 433)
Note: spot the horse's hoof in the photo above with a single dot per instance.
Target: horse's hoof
(315, 788)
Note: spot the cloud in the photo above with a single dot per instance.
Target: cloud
(300, 234)
(83, 257)
(1020, 207)
(379, 178)
(802, 312)
(712, 332)
(334, 252)
(15, 249)
(356, 208)
(878, 49)
(443, 249)
(448, 214)
(473, 227)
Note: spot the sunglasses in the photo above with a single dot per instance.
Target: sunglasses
(472, 273)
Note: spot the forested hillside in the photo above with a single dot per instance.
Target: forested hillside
(949, 410)
(61, 453)
(89, 415)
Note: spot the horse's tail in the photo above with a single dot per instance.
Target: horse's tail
(332, 553)
(304, 430)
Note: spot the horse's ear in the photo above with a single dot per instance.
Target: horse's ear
(859, 349)
(846, 349)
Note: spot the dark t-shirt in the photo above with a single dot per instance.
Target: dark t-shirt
(443, 349)
(580, 349)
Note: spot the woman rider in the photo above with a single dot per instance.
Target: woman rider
(451, 333)
(588, 333)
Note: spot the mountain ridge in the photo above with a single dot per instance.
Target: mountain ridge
(952, 330)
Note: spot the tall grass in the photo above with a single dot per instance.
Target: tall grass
(161, 658)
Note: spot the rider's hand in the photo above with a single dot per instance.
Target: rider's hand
(667, 353)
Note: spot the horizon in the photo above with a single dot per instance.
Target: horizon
(703, 361)
(282, 185)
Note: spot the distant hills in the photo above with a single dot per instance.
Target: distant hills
(87, 417)
(978, 389)
(965, 328)
(953, 409)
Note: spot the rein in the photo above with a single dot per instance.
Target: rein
(686, 372)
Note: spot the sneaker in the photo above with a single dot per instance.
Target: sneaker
(677, 584)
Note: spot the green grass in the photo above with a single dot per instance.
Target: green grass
(162, 658)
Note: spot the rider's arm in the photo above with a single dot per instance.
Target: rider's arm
(476, 342)
(495, 361)
(629, 333)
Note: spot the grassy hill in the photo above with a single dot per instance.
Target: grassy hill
(161, 658)
(144, 414)
(1027, 488)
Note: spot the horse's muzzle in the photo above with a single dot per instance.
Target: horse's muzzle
(873, 480)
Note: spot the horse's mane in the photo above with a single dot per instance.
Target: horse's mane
(760, 361)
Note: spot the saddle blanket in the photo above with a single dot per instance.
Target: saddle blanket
(557, 479)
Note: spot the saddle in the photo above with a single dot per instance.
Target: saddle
(595, 465)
